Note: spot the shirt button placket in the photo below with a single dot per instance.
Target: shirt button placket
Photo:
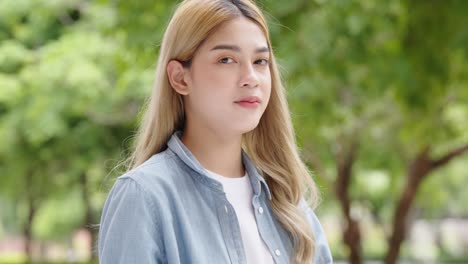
(260, 210)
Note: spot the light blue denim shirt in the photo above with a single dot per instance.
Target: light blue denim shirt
(168, 210)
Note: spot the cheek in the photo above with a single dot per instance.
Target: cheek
(207, 93)
(207, 76)
(212, 82)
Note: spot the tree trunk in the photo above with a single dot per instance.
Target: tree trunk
(351, 234)
(89, 221)
(418, 170)
(32, 209)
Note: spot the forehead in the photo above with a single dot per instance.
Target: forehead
(240, 31)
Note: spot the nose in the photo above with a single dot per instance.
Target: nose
(249, 77)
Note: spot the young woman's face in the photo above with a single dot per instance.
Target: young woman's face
(229, 79)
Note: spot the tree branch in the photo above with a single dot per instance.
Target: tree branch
(449, 156)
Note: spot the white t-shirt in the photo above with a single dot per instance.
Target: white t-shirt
(239, 193)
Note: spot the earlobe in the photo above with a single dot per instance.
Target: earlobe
(176, 76)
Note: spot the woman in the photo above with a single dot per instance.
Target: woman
(216, 175)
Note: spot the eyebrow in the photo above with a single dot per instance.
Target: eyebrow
(237, 48)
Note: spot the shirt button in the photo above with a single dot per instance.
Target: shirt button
(277, 252)
(260, 210)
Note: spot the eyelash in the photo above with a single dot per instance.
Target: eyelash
(265, 62)
(223, 58)
(262, 61)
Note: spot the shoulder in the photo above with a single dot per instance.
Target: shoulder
(155, 171)
(159, 179)
(136, 197)
(130, 222)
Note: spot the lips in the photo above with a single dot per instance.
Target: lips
(249, 99)
(249, 102)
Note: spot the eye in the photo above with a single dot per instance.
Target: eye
(226, 60)
(261, 62)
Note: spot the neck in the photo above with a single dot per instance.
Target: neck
(217, 153)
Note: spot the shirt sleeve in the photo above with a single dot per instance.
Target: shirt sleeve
(129, 227)
(322, 250)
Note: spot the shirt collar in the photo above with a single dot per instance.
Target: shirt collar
(175, 145)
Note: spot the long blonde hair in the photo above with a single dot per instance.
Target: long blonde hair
(286, 174)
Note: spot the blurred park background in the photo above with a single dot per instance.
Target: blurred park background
(378, 91)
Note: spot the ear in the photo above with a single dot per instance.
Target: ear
(176, 75)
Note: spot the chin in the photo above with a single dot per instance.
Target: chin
(247, 127)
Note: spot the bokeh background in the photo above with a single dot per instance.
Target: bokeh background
(378, 91)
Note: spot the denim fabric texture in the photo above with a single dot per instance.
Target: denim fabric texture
(168, 210)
